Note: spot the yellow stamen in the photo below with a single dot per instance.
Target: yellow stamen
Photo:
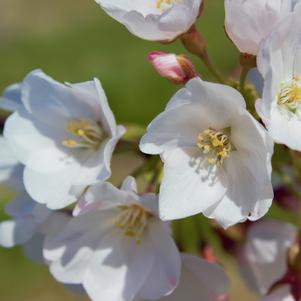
(87, 134)
(290, 94)
(164, 4)
(133, 220)
(216, 145)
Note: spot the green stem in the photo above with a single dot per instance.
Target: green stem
(208, 62)
(243, 78)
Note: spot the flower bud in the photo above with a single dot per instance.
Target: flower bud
(176, 68)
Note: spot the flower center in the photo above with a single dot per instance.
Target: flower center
(290, 94)
(163, 5)
(133, 220)
(216, 145)
(86, 134)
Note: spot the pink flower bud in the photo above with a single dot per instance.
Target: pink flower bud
(176, 68)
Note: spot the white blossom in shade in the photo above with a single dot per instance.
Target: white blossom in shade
(216, 156)
(158, 20)
(200, 280)
(281, 293)
(263, 258)
(248, 22)
(279, 62)
(31, 221)
(116, 246)
(63, 134)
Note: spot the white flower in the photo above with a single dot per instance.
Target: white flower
(263, 259)
(63, 134)
(200, 280)
(279, 61)
(116, 246)
(282, 293)
(248, 22)
(216, 156)
(157, 20)
(31, 221)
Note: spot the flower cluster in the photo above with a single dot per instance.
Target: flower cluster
(215, 143)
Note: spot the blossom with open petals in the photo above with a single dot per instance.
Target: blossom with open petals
(116, 246)
(279, 61)
(158, 20)
(216, 156)
(248, 22)
(63, 134)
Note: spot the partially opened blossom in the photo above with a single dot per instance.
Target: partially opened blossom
(216, 156)
(279, 61)
(158, 20)
(248, 22)
(31, 221)
(63, 134)
(176, 68)
(263, 259)
(281, 293)
(200, 280)
(116, 246)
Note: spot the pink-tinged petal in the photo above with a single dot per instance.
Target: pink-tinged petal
(200, 280)
(248, 22)
(176, 68)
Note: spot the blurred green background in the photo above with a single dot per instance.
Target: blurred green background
(75, 41)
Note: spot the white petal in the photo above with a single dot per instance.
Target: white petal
(17, 232)
(118, 269)
(101, 196)
(23, 136)
(11, 171)
(70, 252)
(12, 98)
(263, 260)
(108, 152)
(57, 193)
(249, 22)
(54, 103)
(166, 269)
(200, 280)
(246, 196)
(189, 186)
(129, 184)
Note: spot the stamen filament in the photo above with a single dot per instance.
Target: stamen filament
(216, 145)
(89, 134)
(133, 220)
